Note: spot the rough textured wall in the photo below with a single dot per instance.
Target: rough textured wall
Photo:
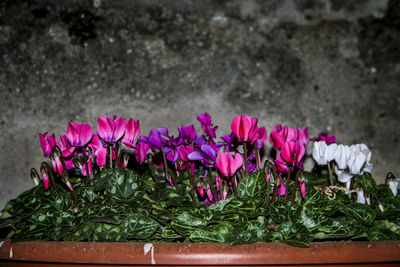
(327, 64)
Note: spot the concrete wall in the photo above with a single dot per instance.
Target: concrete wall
(324, 64)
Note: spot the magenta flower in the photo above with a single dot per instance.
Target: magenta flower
(245, 128)
(292, 153)
(183, 152)
(303, 188)
(281, 135)
(141, 151)
(282, 189)
(109, 130)
(99, 150)
(45, 178)
(302, 136)
(200, 189)
(328, 139)
(79, 134)
(281, 165)
(132, 130)
(261, 137)
(206, 124)
(228, 165)
(47, 144)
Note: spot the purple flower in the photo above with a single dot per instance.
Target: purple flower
(154, 140)
(230, 142)
(188, 133)
(207, 155)
(206, 124)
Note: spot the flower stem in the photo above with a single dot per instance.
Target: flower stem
(209, 176)
(245, 159)
(49, 171)
(287, 187)
(258, 158)
(85, 160)
(191, 181)
(330, 173)
(233, 181)
(110, 152)
(118, 157)
(165, 164)
(296, 180)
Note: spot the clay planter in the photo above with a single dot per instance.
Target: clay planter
(39, 253)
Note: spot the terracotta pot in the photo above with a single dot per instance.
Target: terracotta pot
(38, 253)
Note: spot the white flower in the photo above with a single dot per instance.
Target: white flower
(393, 184)
(343, 176)
(322, 153)
(342, 156)
(356, 161)
(360, 196)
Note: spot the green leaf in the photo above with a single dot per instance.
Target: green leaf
(384, 231)
(366, 181)
(338, 228)
(124, 185)
(137, 226)
(213, 233)
(253, 185)
(391, 208)
(295, 234)
(81, 234)
(169, 233)
(281, 212)
(185, 223)
(107, 232)
(361, 212)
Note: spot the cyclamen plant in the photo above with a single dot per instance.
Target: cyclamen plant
(114, 185)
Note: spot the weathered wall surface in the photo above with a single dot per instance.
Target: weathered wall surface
(327, 64)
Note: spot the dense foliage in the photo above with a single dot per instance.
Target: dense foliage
(217, 198)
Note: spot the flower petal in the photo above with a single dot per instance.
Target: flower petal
(104, 129)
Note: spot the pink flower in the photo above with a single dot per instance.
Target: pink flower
(47, 144)
(110, 131)
(292, 153)
(132, 130)
(227, 164)
(303, 188)
(245, 128)
(79, 134)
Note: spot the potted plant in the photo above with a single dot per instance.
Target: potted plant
(174, 200)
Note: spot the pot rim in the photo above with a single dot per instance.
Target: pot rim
(199, 253)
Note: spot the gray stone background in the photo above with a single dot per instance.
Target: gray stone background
(327, 64)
